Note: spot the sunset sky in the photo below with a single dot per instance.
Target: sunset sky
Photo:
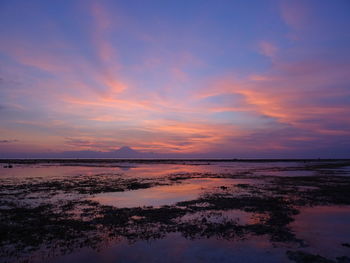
(255, 79)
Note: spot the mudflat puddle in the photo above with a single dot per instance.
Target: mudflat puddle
(166, 195)
(324, 229)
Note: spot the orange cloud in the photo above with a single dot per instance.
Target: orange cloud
(291, 95)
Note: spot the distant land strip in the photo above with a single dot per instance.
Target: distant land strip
(146, 160)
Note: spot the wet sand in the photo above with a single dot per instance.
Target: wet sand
(185, 211)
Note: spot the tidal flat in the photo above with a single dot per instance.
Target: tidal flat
(174, 210)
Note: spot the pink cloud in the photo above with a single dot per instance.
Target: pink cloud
(294, 13)
(268, 49)
(291, 94)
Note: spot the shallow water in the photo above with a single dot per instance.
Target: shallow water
(324, 226)
(165, 195)
(140, 170)
(180, 211)
(175, 248)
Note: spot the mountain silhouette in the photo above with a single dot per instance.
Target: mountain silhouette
(126, 152)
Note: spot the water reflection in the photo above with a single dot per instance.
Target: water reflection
(321, 226)
(175, 248)
(142, 170)
(165, 195)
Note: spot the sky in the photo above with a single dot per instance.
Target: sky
(206, 78)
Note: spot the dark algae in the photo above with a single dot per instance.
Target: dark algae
(304, 257)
